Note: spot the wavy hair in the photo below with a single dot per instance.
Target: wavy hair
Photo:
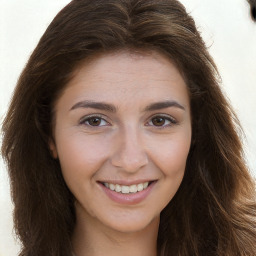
(214, 211)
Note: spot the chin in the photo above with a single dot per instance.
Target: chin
(134, 224)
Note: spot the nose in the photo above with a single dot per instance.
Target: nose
(130, 155)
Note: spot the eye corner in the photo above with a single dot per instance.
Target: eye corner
(94, 121)
(164, 121)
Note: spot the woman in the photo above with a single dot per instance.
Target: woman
(119, 140)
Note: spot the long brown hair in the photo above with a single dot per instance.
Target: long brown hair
(213, 212)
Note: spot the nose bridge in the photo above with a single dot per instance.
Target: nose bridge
(130, 154)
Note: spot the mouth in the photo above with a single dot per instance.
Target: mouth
(127, 189)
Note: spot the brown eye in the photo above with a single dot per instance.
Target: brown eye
(162, 121)
(158, 121)
(94, 121)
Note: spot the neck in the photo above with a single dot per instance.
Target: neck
(94, 239)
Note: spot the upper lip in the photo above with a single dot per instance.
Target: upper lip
(127, 182)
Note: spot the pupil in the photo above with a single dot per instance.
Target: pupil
(158, 121)
(94, 121)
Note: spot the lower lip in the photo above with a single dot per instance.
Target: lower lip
(128, 199)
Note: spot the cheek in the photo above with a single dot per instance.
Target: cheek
(171, 160)
(80, 156)
(171, 155)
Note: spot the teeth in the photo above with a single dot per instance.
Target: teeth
(140, 187)
(126, 189)
(133, 189)
(106, 184)
(112, 186)
(118, 188)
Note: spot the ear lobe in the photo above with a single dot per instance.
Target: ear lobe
(53, 149)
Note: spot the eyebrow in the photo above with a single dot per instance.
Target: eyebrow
(164, 104)
(96, 105)
(111, 108)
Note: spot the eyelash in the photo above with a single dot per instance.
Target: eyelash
(101, 118)
(165, 118)
(90, 117)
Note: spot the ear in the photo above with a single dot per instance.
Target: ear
(53, 149)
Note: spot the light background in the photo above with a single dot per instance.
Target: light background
(225, 25)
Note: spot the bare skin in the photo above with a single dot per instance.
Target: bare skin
(123, 122)
(114, 243)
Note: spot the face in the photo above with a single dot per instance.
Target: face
(122, 136)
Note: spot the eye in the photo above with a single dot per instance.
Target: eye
(94, 121)
(162, 121)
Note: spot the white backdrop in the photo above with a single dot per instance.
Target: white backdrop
(225, 26)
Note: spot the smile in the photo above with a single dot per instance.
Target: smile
(126, 189)
(128, 194)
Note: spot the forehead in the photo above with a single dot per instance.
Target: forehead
(119, 75)
(125, 63)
